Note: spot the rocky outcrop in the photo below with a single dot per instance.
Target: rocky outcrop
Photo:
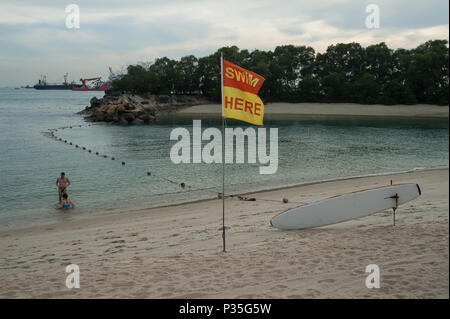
(134, 109)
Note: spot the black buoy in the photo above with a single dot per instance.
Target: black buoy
(149, 173)
(84, 148)
(70, 143)
(123, 162)
(105, 156)
(76, 146)
(89, 151)
(182, 185)
(113, 158)
(96, 153)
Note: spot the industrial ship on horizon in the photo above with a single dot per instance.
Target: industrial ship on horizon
(91, 84)
(43, 85)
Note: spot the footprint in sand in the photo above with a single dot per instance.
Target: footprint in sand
(328, 281)
(279, 287)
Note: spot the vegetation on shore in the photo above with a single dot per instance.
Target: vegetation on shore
(344, 73)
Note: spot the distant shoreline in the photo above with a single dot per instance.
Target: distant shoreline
(280, 109)
(147, 109)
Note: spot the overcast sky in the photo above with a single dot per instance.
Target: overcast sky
(34, 39)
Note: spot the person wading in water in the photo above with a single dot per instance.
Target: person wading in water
(62, 183)
(65, 203)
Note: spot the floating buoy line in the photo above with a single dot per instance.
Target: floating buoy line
(185, 188)
(51, 134)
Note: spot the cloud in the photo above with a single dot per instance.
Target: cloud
(34, 39)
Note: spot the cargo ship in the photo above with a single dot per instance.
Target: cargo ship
(96, 84)
(92, 84)
(43, 85)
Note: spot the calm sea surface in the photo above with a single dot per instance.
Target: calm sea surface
(309, 150)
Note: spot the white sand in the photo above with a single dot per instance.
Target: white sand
(175, 252)
(335, 109)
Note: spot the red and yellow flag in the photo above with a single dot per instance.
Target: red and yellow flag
(239, 93)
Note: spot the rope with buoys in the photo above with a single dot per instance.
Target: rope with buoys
(185, 188)
(52, 135)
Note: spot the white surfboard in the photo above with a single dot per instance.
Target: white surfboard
(347, 206)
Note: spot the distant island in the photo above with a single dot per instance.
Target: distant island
(345, 73)
(298, 81)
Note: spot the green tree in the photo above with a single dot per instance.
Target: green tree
(189, 75)
(345, 72)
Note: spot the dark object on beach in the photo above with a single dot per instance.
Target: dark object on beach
(285, 200)
(248, 199)
(219, 195)
(182, 185)
(123, 163)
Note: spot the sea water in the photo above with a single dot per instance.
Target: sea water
(310, 149)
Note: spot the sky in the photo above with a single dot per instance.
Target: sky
(34, 38)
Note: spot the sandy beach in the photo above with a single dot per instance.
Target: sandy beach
(334, 109)
(176, 252)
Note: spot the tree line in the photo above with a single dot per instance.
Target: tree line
(346, 72)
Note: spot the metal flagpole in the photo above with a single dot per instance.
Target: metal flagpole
(223, 155)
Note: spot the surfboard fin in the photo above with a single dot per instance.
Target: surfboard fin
(396, 197)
